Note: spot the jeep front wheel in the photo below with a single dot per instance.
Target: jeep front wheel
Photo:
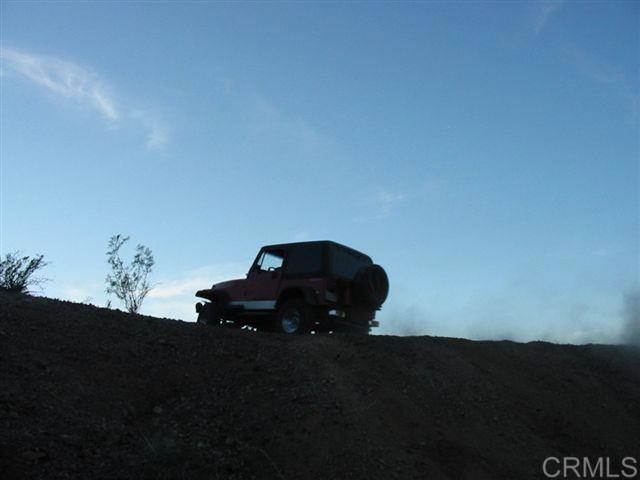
(209, 314)
(294, 316)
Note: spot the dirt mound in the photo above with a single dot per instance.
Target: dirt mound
(93, 393)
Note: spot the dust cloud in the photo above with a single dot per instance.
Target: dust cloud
(631, 318)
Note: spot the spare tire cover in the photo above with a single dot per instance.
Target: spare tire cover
(371, 286)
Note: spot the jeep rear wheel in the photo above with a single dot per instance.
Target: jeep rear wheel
(294, 316)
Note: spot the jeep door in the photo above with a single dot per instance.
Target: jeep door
(263, 280)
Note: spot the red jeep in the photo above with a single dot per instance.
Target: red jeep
(300, 287)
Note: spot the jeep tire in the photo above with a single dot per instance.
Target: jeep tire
(294, 316)
(209, 314)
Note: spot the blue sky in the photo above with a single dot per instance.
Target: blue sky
(486, 154)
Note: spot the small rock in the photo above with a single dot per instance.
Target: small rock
(158, 410)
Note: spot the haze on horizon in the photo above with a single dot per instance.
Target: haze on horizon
(486, 154)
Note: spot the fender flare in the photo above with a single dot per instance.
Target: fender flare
(213, 295)
(307, 293)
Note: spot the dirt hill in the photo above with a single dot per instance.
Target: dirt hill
(93, 393)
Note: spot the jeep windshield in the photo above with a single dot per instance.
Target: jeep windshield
(345, 262)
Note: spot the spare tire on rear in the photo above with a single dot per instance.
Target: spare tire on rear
(371, 286)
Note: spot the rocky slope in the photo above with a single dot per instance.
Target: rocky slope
(92, 393)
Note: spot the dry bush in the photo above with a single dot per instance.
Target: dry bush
(17, 272)
(129, 282)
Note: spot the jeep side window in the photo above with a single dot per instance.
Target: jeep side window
(347, 264)
(305, 260)
(270, 261)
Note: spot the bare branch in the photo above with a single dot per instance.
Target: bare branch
(129, 282)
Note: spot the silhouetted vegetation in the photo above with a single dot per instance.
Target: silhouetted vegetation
(17, 272)
(129, 282)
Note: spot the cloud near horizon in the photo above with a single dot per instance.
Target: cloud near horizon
(175, 298)
(81, 86)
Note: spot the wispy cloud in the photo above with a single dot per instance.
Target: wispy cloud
(387, 201)
(301, 236)
(192, 280)
(180, 287)
(267, 120)
(88, 292)
(175, 297)
(63, 78)
(81, 86)
(157, 138)
(602, 252)
(76, 294)
(157, 131)
(543, 12)
(384, 202)
(380, 204)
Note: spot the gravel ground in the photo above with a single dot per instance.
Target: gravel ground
(92, 393)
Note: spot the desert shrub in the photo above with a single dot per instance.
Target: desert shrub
(17, 272)
(129, 283)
